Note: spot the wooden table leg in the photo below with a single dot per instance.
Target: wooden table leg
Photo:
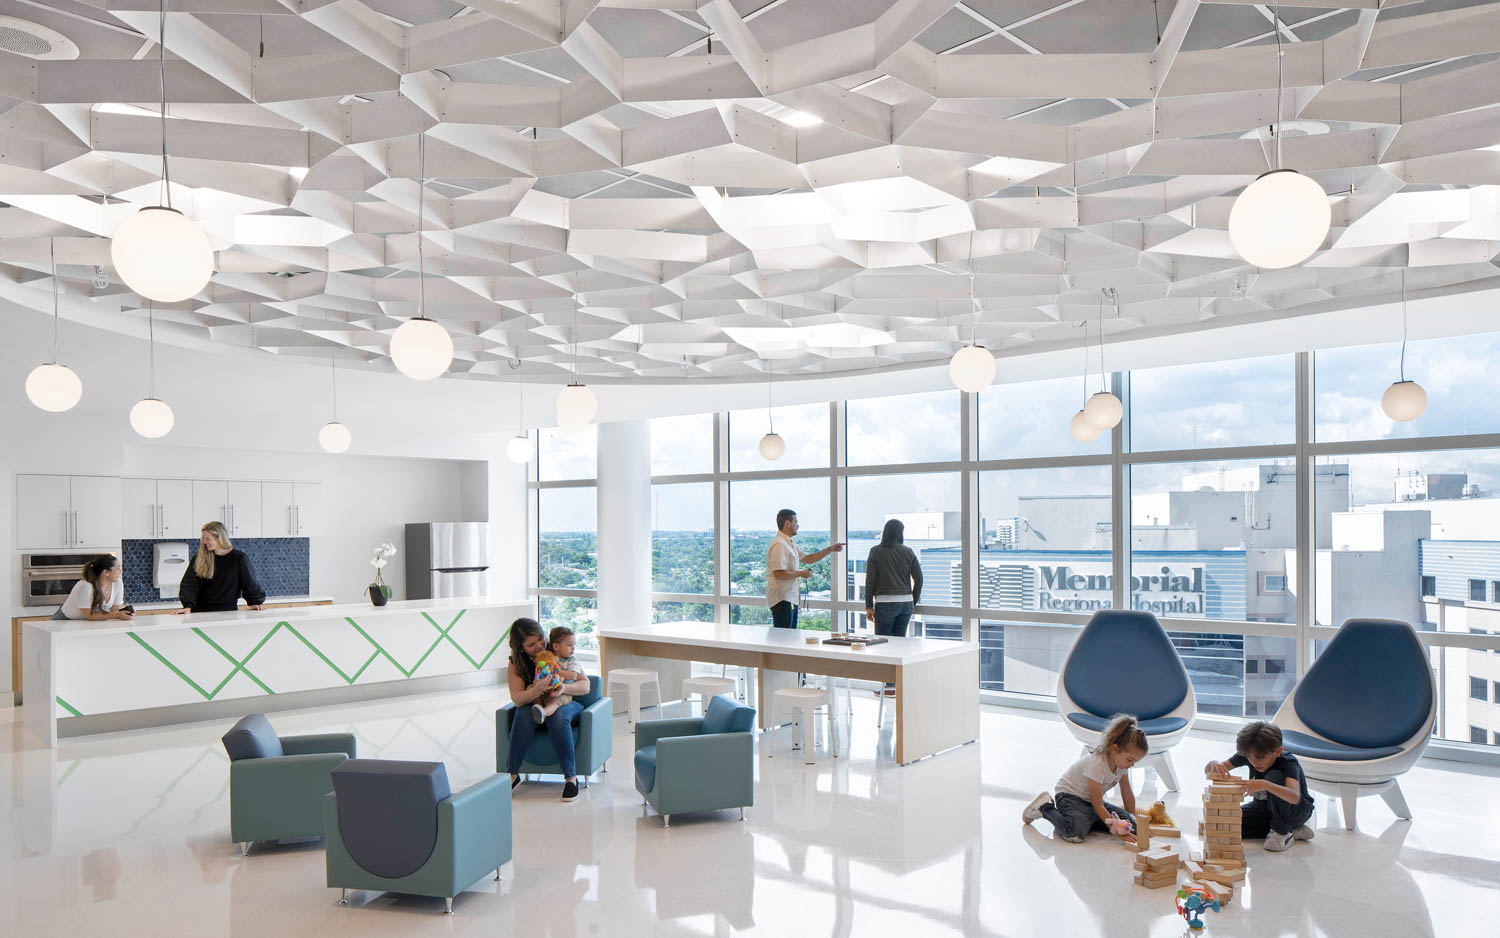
(937, 706)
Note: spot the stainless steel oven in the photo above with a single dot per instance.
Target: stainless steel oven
(47, 579)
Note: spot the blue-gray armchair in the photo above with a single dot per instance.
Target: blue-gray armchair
(277, 783)
(593, 736)
(396, 827)
(704, 764)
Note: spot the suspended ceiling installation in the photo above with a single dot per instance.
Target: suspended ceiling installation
(813, 186)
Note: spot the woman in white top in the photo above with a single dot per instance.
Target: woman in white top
(99, 595)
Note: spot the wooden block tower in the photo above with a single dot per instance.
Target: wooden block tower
(1223, 852)
(1154, 869)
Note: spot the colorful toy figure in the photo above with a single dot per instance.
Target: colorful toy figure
(1192, 902)
(1118, 826)
(546, 669)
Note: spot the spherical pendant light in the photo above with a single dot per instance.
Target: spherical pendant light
(152, 418)
(576, 406)
(772, 447)
(972, 369)
(1404, 400)
(518, 449)
(162, 254)
(53, 387)
(1103, 411)
(1280, 219)
(334, 437)
(421, 349)
(1082, 430)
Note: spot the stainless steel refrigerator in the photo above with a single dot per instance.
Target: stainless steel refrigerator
(446, 558)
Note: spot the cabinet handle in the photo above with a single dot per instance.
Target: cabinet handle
(232, 529)
(67, 537)
(161, 512)
(290, 529)
(298, 511)
(76, 538)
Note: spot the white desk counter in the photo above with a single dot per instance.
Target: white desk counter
(937, 682)
(85, 677)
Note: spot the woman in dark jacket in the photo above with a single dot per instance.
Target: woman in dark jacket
(893, 584)
(219, 576)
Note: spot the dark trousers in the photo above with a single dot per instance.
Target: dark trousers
(1073, 817)
(559, 729)
(784, 615)
(892, 619)
(1264, 815)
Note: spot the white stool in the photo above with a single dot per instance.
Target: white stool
(636, 679)
(706, 688)
(806, 701)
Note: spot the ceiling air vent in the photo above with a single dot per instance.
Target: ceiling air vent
(34, 40)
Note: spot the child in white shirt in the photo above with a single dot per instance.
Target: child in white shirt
(1079, 806)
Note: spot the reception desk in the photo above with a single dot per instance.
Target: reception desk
(92, 677)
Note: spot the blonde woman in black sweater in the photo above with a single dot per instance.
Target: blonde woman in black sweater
(219, 576)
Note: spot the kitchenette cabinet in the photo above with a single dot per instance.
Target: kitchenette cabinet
(236, 505)
(157, 508)
(289, 509)
(55, 512)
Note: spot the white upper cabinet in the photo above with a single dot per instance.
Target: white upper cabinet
(277, 509)
(174, 499)
(244, 509)
(140, 512)
(63, 512)
(210, 503)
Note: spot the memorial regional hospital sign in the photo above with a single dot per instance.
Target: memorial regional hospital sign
(1160, 589)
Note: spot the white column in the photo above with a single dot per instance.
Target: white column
(624, 498)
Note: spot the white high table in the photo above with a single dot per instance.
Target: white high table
(82, 677)
(937, 682)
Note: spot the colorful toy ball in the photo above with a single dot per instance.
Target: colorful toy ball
(546, 669)
(1192, 902)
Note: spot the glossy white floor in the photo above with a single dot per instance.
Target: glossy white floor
(127, 835)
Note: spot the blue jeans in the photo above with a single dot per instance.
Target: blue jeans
(891, 619)
(1073, 818)
(784, 615)
(559, 729)
(1267, 813)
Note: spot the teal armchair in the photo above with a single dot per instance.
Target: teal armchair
(593, 736)
(396, 827)
(706, 764)
(277, 783)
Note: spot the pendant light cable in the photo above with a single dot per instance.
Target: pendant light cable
(770, 411)
(1403, 324)
(150, 350)
(333, 374)
(52, 250)
(161, 48)
(1280, 71)
(575, 327)
(421, 207)
(973, 307)
(1103, 385)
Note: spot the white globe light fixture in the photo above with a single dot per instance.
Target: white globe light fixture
(162, 255)
(1282, 217)
(972, 369)
(518, 450)
(334, 437)
(576, 406)
(159, 252)
(772, 447)
(1082, 430)
(421, 349)
(53, 387)
(1404, 400)
(1279, 219)
(152, 418)
(1103, 411)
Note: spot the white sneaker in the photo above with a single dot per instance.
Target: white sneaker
(538, 715)
(1034, 810)
(1276, 843)
(1303, 832)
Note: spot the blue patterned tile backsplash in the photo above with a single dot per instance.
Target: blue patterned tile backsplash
(280, 564)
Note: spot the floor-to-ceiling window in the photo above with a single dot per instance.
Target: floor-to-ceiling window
(1195, 509)
(564, 513)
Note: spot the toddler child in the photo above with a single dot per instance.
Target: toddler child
(1282, 805)
(1079, 806)
(562, 643)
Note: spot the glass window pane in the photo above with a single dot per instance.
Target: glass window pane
(567, 542)
(908, 428)
(1030, 418)
(804, 428)
(1242, 402)
(1039, 528)
(682, 538)
(752, 524)
(576, 612)
(929, 505)
(566, 454)
(814, 620)
(682, 445)
(1203, 534)
(1349, 383)
(682, 612)
(1023, 657)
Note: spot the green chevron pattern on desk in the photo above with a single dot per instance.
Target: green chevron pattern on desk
(241, 665)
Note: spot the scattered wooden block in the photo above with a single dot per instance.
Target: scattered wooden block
(1155, 880)
(1164, 830)
(1219, 891)
(1193, 867)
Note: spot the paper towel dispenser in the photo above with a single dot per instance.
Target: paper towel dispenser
(169, 564)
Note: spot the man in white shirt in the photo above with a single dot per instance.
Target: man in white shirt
(784, 570)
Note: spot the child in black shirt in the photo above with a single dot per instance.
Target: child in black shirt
(1282, 805)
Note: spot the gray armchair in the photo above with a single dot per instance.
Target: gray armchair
(396, 827)
(277, 783)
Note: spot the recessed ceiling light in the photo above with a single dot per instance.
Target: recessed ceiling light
(801, 119)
